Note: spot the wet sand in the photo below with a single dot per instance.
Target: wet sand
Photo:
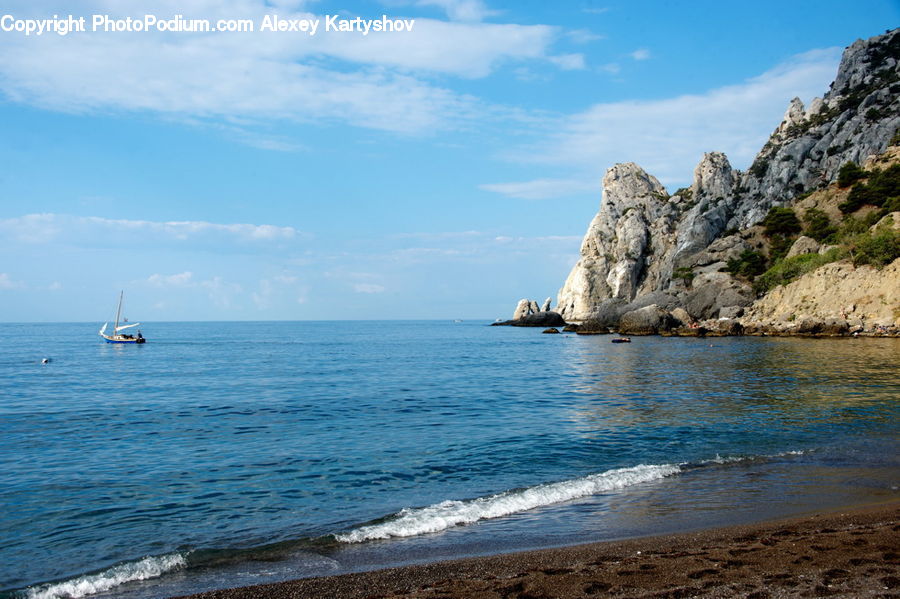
(850, 553)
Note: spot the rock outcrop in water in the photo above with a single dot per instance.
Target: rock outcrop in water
(646, 247)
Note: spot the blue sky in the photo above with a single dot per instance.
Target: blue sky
(443, 173)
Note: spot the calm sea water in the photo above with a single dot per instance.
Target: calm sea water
(223, 454)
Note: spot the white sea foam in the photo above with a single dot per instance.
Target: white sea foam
(148, 567)
(441, 516)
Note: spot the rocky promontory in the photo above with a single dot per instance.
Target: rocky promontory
(802, 242)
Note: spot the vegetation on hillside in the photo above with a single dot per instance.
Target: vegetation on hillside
(853, 236)
(786, 270)
(882, 189)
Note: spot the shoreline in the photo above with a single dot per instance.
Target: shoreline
(852, 552)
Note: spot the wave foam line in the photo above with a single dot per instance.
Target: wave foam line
(148, 567)
(435, 518)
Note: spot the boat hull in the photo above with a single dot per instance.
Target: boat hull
(136, 341)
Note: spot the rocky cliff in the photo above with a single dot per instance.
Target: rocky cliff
(646, 246)
(835, 299)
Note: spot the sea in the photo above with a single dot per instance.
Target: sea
(224, 454)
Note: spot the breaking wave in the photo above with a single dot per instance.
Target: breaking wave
(435, 518)
(148, 567)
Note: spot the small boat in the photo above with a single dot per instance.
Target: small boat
(621, 340)
(117, 335)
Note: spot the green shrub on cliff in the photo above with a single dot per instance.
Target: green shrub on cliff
(748, 264)
(786, 270)
(877, 248)
(781, 221)
(684, 273)
(882, 187)
(849, 174)
(854, 226)
(818, 226)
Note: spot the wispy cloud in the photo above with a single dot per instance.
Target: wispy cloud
(669, 136)
(368, 288)
(568, 62)
(583, 36)
(613, 68)
(6, 282)
(381, 81)
(279, 290)
(178, 280)
(640, 54)
(542, 189)
(94, 230)
(461, 10)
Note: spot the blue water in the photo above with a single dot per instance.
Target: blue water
(221, 454)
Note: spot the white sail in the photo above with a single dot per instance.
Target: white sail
(103, 328)
(127, 326)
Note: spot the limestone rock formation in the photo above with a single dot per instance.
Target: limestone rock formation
(645, 241)
(636, 221)
(523, 308)
(526, 307)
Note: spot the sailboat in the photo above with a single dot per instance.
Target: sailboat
(117, 335)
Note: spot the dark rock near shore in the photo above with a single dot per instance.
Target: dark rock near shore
(685, 332)
(835, 327)
(605, 314)
(540, 319)
(571, 328)
(649, 320)
(551, 331)
(723, 327)
(714, 292)
(592, 327)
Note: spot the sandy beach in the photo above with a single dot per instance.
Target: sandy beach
(849, 553)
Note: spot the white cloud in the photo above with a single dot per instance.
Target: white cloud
(461, 10)
(668, 137)
(475, 247)
(179, 280)
(583, 36)
(612, 68)
(221, 292)
(441, 235)
(93, 230)
(275, 290)
(640, 54)
(568, 62)
(368, 288)
(6, 282)
(542, 189)
(382, 84)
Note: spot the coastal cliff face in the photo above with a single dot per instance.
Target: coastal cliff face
(645, 244)
(836, 298)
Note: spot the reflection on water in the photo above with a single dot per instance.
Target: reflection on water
(733, 382)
